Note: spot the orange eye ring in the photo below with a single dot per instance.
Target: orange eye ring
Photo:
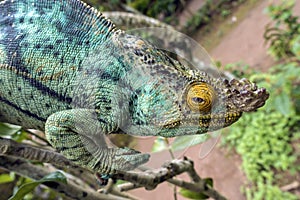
(200, 97)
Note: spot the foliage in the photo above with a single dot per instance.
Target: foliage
(168, 10)
(269, 192)
(283, 33)
(25, 188)
(13, 132)
(238, 69)
(264, 139)
(196, 195)
(164, 10)
(209, 11)
(29, 187)
(265, 145)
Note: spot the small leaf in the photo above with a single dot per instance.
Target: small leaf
(209, 181)
(283, 104)
(296, 47)
(160, 144)
(192, 195)
(19, 136)
(182, 142)
(26, 188)
(55, 176)
(8, 129)
(6, 178)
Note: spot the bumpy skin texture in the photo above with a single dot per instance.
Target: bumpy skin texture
(67, 70)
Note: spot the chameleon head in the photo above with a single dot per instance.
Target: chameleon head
(192, 104)
(216, 103)
(163, 97)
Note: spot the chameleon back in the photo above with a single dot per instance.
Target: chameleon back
(42, 47)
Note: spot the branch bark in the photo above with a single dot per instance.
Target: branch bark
(11, 150)
(151, 178)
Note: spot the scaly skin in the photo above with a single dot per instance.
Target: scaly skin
(68, 71)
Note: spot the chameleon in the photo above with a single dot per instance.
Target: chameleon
(67, 70)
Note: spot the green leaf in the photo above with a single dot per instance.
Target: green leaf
(209, 181)
(296, 47)
(55, 176)
(283, 104)
(192, 195)
(26, 188)
(6, 178)
(20, 136)
(160, 144)
(8, 129)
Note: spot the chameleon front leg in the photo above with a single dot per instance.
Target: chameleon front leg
(78, 135)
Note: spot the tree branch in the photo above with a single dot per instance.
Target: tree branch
(11, 148)
(200, 186)
(72, 189)
(148, 179)
(151, 178)
(25, 151)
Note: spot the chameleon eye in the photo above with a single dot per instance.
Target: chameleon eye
(200, 97)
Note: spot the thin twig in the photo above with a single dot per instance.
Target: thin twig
(175, 192)
(128, 186)
(291, 186)
(193, 174)
(151, 178)
(37, 136)
(198, 187)
(117, 192)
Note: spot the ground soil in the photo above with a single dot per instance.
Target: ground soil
(243, 43)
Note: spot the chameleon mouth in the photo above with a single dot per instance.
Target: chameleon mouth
(213, 121)
(217, 121)
(208, 121)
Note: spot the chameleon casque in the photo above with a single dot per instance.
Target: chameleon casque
(67, 70)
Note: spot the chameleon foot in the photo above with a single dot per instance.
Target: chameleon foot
(128, 159)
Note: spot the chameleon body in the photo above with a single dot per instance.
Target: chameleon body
(67, 70)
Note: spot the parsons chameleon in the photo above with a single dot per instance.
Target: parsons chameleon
(67, 70)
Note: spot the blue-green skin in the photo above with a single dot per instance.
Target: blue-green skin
(68, 71)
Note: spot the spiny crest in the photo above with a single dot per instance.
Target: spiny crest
(69, 16)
